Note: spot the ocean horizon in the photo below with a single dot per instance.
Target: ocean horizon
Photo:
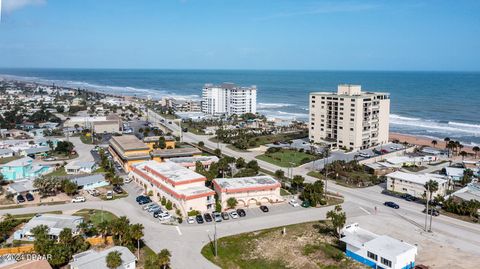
(434, 104)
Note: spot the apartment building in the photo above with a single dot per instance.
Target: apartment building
(349, 118)
(228, 99)
(182, 186)
(414, 184)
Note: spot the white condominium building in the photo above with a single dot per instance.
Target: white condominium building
(349, 118)
(229, 99)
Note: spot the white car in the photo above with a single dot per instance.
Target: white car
(147, 207)
(293, 203)
(79, 199)
(49, 159)
(109, 195)
(164, 216)
(234, 215)
(190, 220)
(127, 180)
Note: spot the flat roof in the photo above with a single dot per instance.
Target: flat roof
(176, 152)
(128, 142)
(92, 259)
(20, 162)
(246, 182)
(82, 181)
(169, 170)
(55, 222)
(77, 164)
(156, 138)
(417, 178)
(188, 161)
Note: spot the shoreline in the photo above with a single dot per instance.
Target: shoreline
(425, 141)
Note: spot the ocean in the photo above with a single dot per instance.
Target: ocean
(432, 104)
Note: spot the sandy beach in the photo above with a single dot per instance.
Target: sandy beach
(424, 141)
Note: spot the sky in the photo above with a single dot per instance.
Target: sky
(439, 35)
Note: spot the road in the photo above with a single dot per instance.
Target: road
(449, 235)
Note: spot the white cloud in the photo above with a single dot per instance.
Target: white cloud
(8, 6)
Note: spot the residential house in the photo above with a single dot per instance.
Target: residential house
(21, 187)
(90, 182)
(5, 153)
(76, 167)
(55, 223)
(35, 151)
(22, 169)
(92, 259)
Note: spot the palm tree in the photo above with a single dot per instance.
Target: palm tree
(114, 259)
(164, 258)
(434, 143)
(431, 186)
(463, 154)
(476, 149)
(446, 139)
(103, 228)
(136, 232)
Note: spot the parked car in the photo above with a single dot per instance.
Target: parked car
(225, 216)
(293, 203)
(157, 212)
(241, 212)
(164, 216)
(306, 204)
(140, 197)
(392, 205)
(144, 201)
(153, 208)
(432, 211)
(29, 197)
(190, 220)
(109, 195)
(20, 198)
(79, 199)
(127, 180)
(217, 216)
(234, 215)
(264, 208)
(207, 217)
(49, 159)
(199, 219)
(409, 197)
(117, 189)
(147, 207)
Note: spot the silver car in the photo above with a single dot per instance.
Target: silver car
(217, 216)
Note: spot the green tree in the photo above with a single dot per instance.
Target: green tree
(217, 152)
(297, 181)
(69, 187)
(338, 218)
(114, 259)
(201, 144)
(136, 232)
(232, 202)
(431, 187)
(314, 193)
(280, 174)
(434, 143)
(240, 163)
(168, 206)
(161, 142)
(164, 258)
(476, 149)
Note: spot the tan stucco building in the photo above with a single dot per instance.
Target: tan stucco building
(248, 190)
(349, 118)
(127, 150)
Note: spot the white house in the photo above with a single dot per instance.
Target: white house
(377, 251)
(5, 153)
(55, 223)
(414, 184)
(90, 182)
(76, 167)
(92, 259)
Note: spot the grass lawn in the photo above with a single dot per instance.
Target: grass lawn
(305, 245)
(355, 179)
(285, 157)
(95, 215)
(284, 192)
(9, 159)
(58, 173)
(27, 217)
(145, 254)
(267, 139)
(316, 174)
(86, 139)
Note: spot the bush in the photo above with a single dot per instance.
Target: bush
(201, 144)
(150, 193)
(169, 206)
(163, 201)
(193, 213)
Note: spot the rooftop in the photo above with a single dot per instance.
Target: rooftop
(77, 165)
(156, 138)
(469, 192)
(190, 161)
(55, 222)
(82, 181)
(176, 152)
(246, 182)
(22, 186)
(20, 162)
(37, 150)
(92, 259)
(128, 142)
(170, 171)
(417, 178)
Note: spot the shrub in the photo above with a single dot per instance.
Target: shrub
(169, 206)
(163, 201)
(201, 143)
(193, 213)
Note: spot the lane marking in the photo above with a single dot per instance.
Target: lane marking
(178, 230)
(364, 210)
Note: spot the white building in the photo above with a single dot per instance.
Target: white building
(182, 186)
(414, 184)
(377, 251)
(229, 99)
(92, 259)
(248, 190)
(469, 192)
(99, 124)
(349, 118)
(76, 167)
(191, 162)
(55, 223)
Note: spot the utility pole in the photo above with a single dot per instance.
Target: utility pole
(426, 211)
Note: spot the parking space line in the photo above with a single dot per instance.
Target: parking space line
(364, 210)
(178, 230)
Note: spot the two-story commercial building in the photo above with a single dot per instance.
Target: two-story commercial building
(128, 150)
(414, 184)
(182, 186)
(248, 190)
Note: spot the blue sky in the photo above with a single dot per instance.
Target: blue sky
(242, 34)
